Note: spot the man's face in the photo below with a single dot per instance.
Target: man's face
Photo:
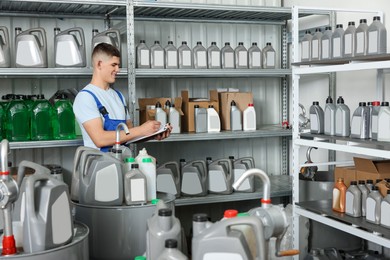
(109, 67)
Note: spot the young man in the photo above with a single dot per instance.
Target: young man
(99, 108)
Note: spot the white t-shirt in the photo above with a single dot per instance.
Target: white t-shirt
(85, 108)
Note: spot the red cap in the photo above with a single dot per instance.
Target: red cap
(250, 105)
(9, 247)
(376, 103)
(263, 201)
(230, 213)
(4, 173)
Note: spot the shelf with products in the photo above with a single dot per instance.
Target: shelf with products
(280, 187)
(46, 144)
(321, 211)
(51, 72)
(262, 132)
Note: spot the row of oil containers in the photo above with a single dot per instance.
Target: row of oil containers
(32, 117)
(360, 41)
(370, 120)
(69, 46)
(136, 181)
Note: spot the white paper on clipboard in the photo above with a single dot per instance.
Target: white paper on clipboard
(162, 129)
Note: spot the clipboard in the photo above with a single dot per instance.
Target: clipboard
(146, 138)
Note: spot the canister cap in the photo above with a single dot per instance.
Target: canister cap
(211, 106)
(231, 157)
(129, 159)
(351, 23)
(318, 29)
(329, 100)
(375, 188)
(250, 105)
(135, 166)
(154, 201)
(213, 43)
(353, 183)
(254, 43)
(243, 214)
(328, 28)
(233, 103)
(385, 104)
(230, 213)
(377, 18)
(200, 217)
(165, 212)
(363, 20)
(268, 44)
(307, 32)
(142, 41)
(362, 104)
(340, 100)
(171, 243)
(140, 257)
(316, 103)
(196, 106)
(362, 182)
(199, 43)
(370, 182)
(376, 103)
(339, 26)
(156, 42)
(158, 104)
(148, 160)
(227, 43)
(184, 42)
(240, 43)
(170, 42)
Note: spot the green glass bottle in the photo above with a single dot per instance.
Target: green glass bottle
(17, 120)
(64, 119)
(42, 113)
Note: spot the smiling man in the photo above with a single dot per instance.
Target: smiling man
(99, 108)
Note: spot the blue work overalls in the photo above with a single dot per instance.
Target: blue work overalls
(109, 124)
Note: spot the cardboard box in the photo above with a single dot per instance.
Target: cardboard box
(347, 173)
(146, 113)
(242, 99)
(383, 187)
(367, 169)
(188, 122)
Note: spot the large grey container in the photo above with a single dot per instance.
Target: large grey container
(360, 122)
(361, 38)
(343, 118)
(30, 48)
(168, 178)
(220, 176)
(349, 40)
(377, 37)
(110, 36)
(326, 44)
(119, 232)
(69, 48)
(338, 42)
(316, 119)
(5, 54)
(77, 249)
(316, 45)
(306, 46)
(193, 178)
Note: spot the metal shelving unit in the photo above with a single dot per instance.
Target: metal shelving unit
(45, 144)
(321, 211)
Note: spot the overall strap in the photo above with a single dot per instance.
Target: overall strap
(121, 97)
(101, 108)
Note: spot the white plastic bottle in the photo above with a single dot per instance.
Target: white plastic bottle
(160, 114)
(235, 117)
(306, 46)
(343, 118)
(174, 119)
(385, 210)
(213, 120)
(330, 117)
(353, 200)
(241, 56)
(227, 57)
(373, 133)
(377, 37)
(213, 56)
(361, 38)
(384, 122)
(269, 57)
(200, 56)
(249, 118)
(185, 56)
(254, 57)
(373, 206)
(365, 191)
(360, 122)
(326, 44)
(148, 167)
(316, 45)
(171, 60)
(171, 252)
(349, 40)
(157, 56)
(316, 118)
(337, 42)
(143, 55)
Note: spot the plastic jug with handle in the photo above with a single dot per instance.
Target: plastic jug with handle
(168, 178)
(239, 167)
(75, 185)
(101, 181)
(110, 36)
(221, 241)
(193, 178)
(220, 176)
(69, 48)
(30, 48)
(5, 54)
(48, 223)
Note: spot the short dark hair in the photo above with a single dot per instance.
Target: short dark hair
(107, 49)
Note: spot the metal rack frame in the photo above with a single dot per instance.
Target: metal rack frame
(348, 145)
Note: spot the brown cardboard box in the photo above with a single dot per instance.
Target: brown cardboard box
(367, 169)
(383, 187)
(242, 99)
(347, 173)
(188, 122)
(146, 114)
